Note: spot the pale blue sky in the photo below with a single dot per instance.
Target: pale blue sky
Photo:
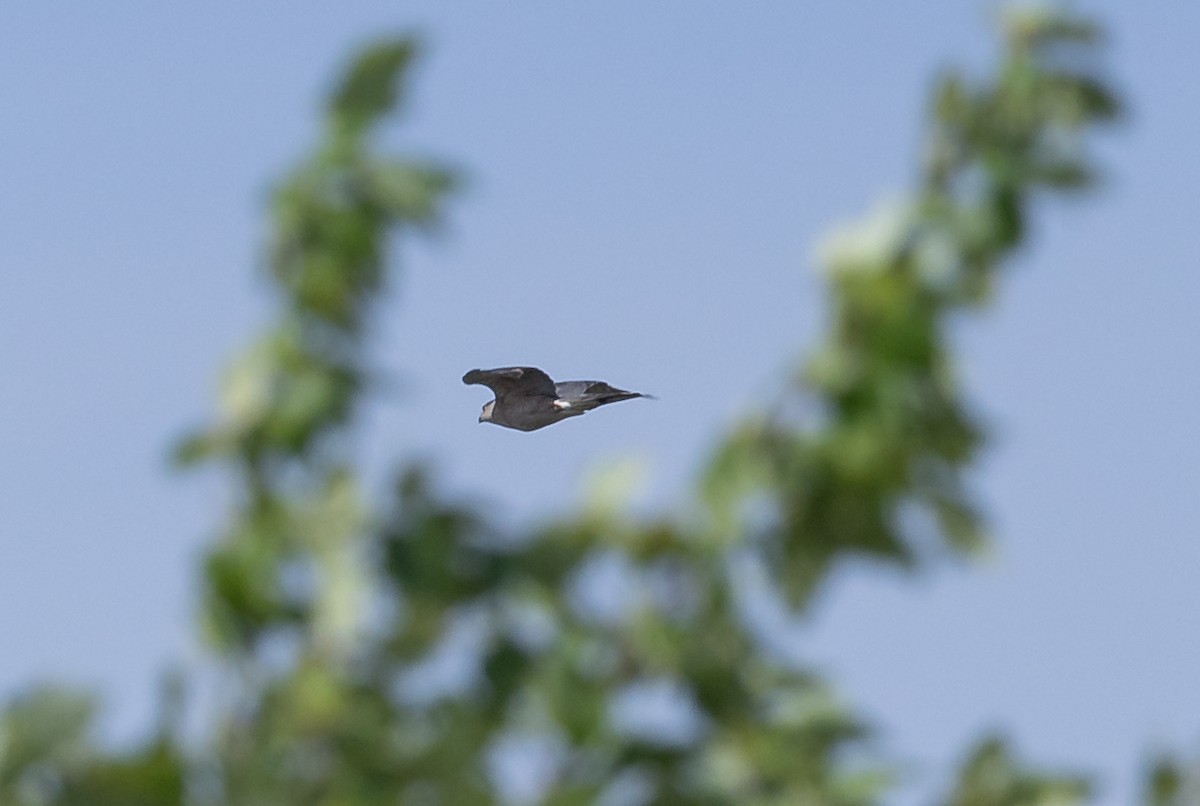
(647, 184)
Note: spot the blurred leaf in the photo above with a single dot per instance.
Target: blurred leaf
(991, 776)
(1164, 783)
(152, 777)
(45, 728)
(370, 88)
(410, 191)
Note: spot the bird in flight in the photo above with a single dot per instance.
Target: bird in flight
(527, 399)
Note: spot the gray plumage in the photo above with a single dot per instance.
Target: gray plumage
(527, 399)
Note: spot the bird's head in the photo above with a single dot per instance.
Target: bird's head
(485, 416)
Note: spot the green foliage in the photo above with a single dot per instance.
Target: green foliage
(369, 89)
(47, 756)
(763, 733)
(288, 558)
(42, 736)
(334, 620)
(1172, 782)
(883, 470)
(992, 777)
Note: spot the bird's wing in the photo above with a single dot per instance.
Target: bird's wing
(596, 393)
(573, 390)
(512, 380)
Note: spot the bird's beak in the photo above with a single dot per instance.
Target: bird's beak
(481, 418)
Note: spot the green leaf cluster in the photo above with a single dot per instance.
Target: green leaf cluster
(882, 472)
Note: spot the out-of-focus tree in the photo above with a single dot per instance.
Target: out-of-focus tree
(333, 618)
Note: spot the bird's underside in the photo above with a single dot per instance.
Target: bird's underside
(527, 399)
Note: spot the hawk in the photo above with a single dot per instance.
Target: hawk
(527, 399)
